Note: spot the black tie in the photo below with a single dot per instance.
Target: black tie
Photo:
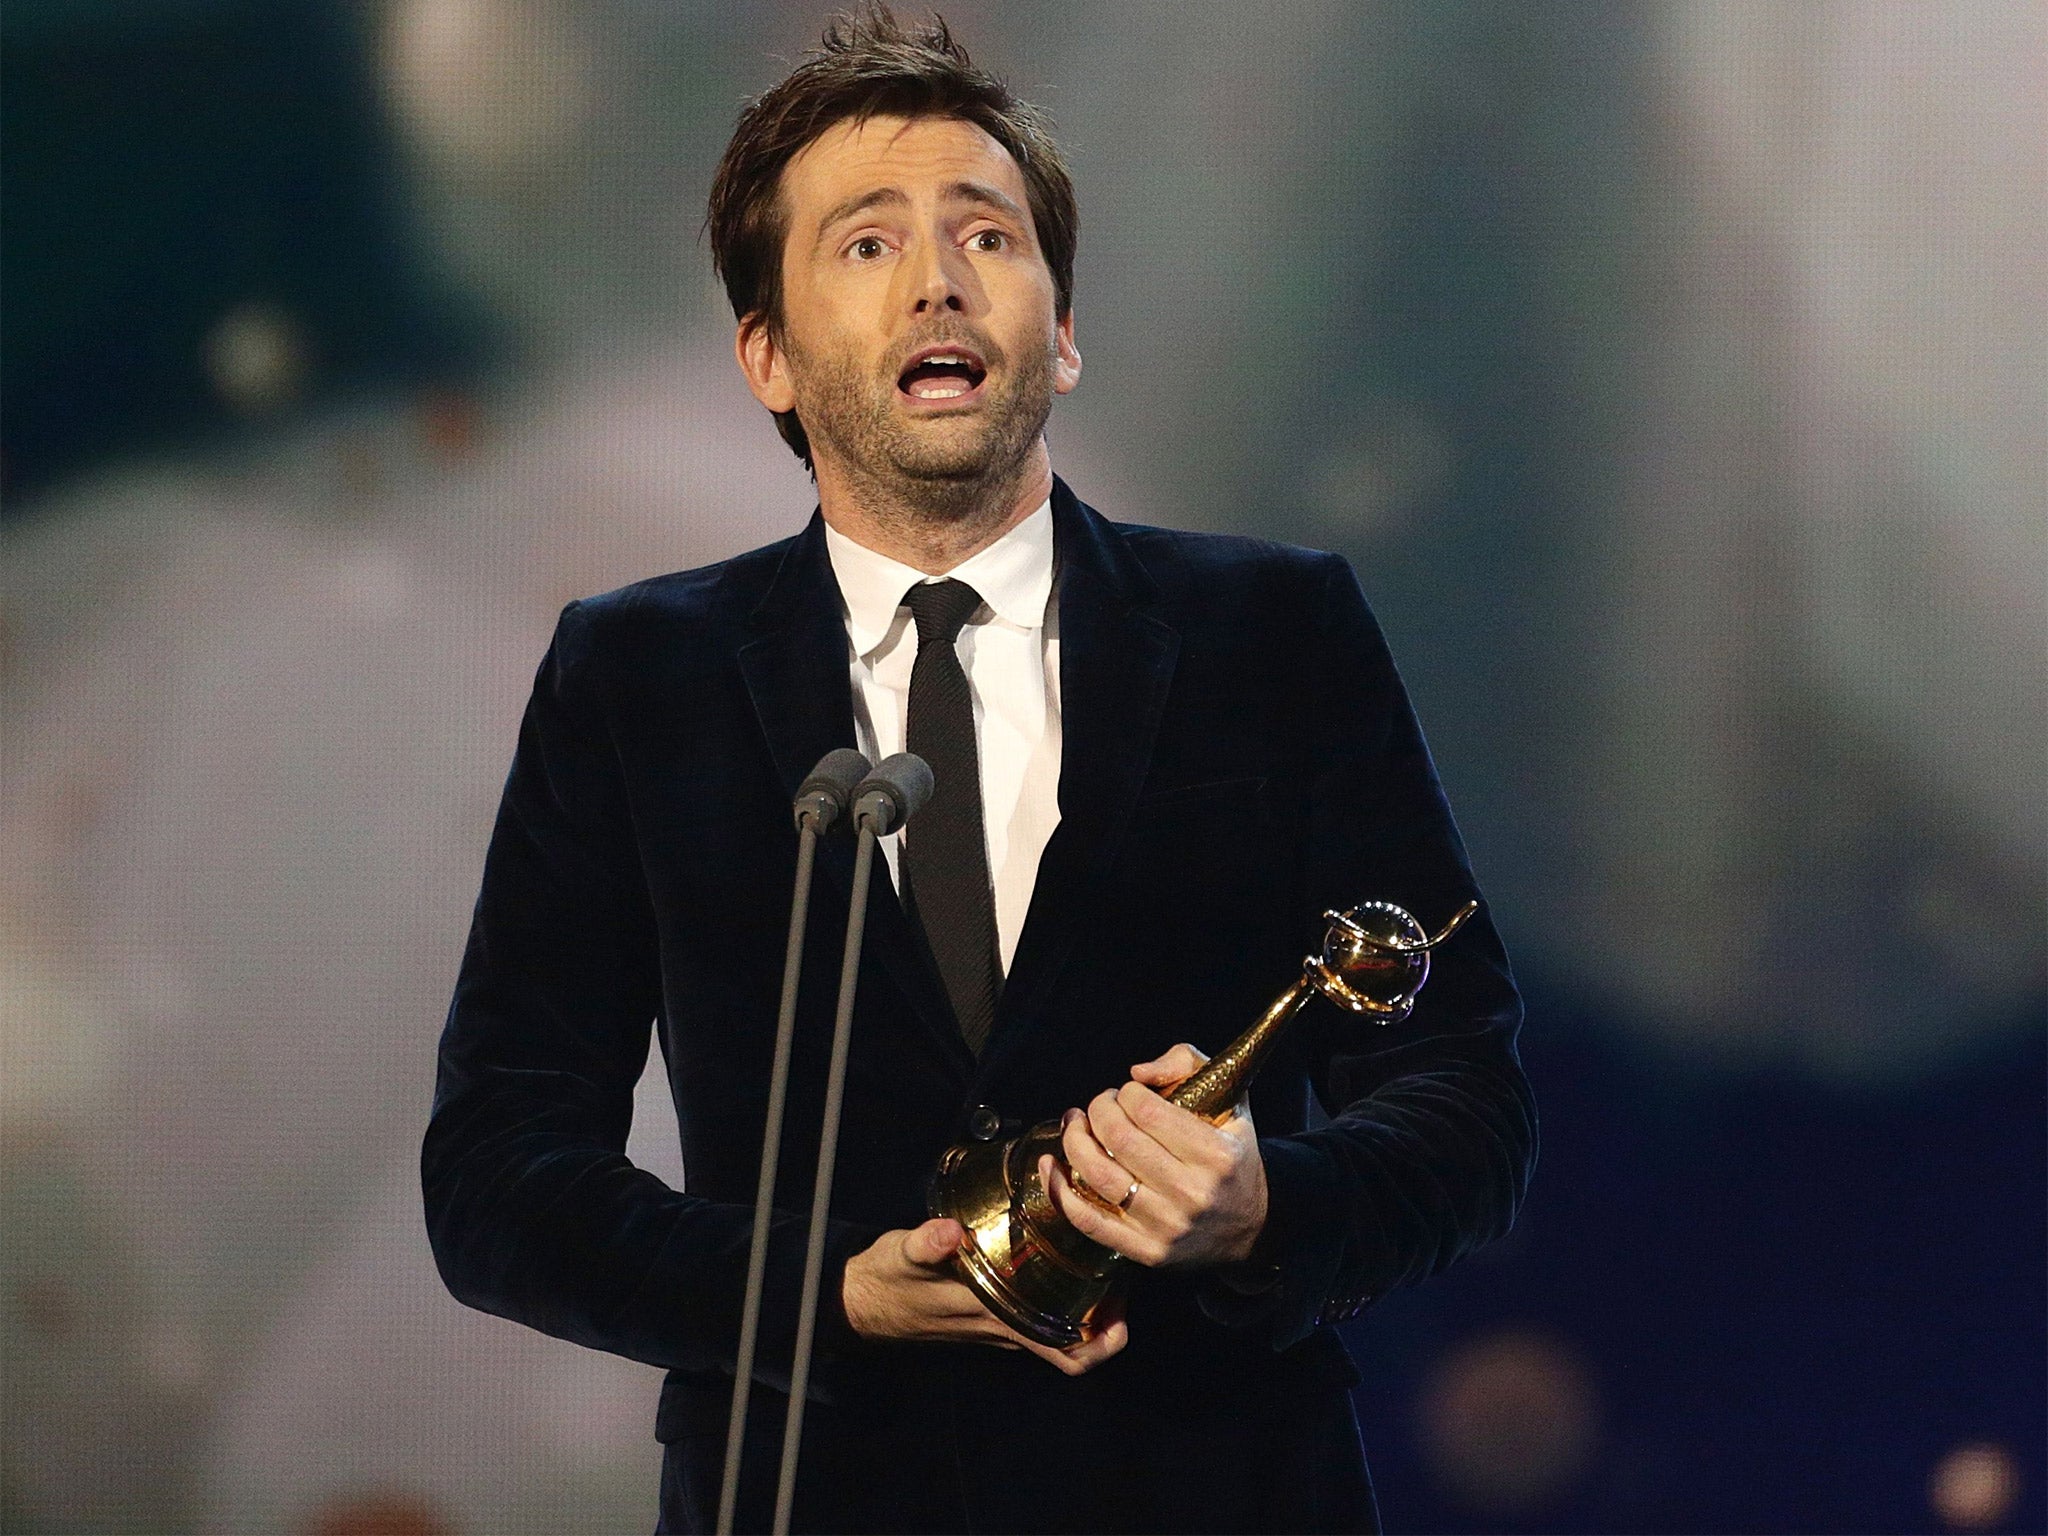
(945, 857)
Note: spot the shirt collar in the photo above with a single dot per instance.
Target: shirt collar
(1013, 576)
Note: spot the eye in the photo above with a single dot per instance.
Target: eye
(867, 248)
(989, 240)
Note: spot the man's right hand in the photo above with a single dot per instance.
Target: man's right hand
(902, 1287)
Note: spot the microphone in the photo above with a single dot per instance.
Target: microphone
(825, 794)
(888, 797)
(830, 788)
(893, 792)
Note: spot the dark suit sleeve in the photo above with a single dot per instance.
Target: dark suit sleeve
(1433, 1129)
(533, 1209)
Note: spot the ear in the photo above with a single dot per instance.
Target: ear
(764, 364)
(1066, 368)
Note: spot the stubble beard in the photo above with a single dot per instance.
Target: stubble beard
(946, 469)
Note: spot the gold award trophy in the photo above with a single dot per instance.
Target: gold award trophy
(1022, 1256)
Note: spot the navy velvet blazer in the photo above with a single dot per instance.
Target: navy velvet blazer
(1238, 755)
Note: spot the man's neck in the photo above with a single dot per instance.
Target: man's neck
(926, 538)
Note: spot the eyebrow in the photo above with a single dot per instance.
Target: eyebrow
(894, 197)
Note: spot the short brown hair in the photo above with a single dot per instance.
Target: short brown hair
(868, 64)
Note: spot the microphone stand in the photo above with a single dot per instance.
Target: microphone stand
(819, 802)
(883, 801)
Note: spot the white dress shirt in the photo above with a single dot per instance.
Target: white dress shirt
(1010, 651)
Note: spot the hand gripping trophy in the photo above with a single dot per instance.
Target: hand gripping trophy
(1022, 1256)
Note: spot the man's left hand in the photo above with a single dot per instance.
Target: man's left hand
(1201, 1195)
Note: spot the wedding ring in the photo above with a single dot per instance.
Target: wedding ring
(1129, 1195)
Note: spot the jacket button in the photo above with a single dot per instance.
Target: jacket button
(984, 1123)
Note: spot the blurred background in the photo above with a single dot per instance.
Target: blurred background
(1673, 374)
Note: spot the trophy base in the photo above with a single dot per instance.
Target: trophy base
(1020, 1256)
(1046, 1328)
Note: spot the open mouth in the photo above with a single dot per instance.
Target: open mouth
(942, 373)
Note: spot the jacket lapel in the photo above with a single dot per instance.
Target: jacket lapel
(797, 674)
(1116, 667)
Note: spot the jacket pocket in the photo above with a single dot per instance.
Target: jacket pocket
(1195, 799)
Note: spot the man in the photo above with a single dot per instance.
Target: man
(1160, 756)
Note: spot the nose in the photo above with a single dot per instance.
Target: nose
(938, 280)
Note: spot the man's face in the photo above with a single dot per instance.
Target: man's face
(919, 344)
